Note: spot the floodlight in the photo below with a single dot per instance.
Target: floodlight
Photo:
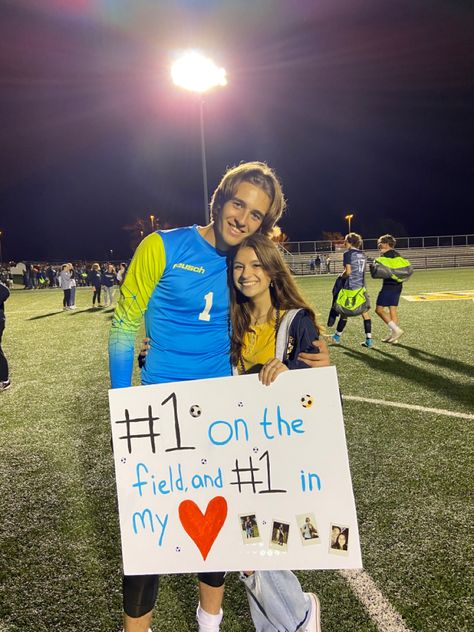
(197, 73)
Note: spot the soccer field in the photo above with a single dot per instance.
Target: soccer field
(408, 412)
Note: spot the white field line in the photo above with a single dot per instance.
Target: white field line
(423, 409)
(380, 611)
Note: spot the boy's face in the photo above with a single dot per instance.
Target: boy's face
(241, 216)
(383, 247)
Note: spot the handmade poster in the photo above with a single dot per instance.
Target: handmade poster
(228, 474)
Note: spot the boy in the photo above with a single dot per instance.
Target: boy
(389, 295)
(177, 280)
(352, 278)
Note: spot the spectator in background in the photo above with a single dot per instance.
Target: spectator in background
(6, 277)
(121, 273)
(317, 263)
(4, 381)
(27, 277)
(95, 282)
(72, 299)
(328, 264)
(65, 284)
(50, 275)
(42, 279)
(108, 280)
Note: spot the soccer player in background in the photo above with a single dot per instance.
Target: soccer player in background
(389, 296)
(177, 280)
(354, 261)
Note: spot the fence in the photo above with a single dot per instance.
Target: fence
(421, 258)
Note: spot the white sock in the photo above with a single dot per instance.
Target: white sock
(208, 622)
(393, 326)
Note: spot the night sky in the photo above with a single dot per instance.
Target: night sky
(360, 105)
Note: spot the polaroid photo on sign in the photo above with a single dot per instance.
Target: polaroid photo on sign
(280, 535)
(339, 540)
(249, 528)
(308, 529)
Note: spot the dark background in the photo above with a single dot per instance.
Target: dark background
(360, 105)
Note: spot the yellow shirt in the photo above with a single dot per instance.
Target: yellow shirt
(259, 344)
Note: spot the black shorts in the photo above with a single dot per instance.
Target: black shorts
(389, 296)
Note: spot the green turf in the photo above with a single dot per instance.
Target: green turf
(412, 471)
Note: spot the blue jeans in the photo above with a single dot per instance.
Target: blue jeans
(277, 601)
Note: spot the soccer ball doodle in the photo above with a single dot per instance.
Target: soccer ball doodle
(307, 401)
(195, 410)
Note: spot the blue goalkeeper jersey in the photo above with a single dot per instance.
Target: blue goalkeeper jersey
(177, 281)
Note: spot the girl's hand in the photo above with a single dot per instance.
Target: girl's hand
(271, 370)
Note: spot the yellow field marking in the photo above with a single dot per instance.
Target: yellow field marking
(461, 295)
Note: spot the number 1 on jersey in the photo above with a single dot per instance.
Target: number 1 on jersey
(206, 312)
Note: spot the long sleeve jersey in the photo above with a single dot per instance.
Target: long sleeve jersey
(177, 281)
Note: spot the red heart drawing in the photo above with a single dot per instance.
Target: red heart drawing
(203, 529)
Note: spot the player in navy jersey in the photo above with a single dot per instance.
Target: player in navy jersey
(354, 261)
(177, 281)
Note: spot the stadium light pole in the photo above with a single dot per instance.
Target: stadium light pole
(349, 218)
(194, 72)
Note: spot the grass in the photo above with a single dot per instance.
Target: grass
(412, 471)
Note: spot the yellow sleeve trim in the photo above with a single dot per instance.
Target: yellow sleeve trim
(143, 275)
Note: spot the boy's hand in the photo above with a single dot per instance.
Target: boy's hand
(315, 360)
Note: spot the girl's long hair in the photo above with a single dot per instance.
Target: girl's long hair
(283, 290)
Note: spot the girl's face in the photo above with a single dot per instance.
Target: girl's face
(248, 274)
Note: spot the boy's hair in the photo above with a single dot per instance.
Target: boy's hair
(389, 240)
(354, 239)
(283, 290)
(259, 174)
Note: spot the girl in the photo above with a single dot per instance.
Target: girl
(108, 280)
(72, 298)
(95, 280)
(65, 283)
(271, 325)
(271, 321)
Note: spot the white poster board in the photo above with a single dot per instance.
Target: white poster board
(228, 474)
